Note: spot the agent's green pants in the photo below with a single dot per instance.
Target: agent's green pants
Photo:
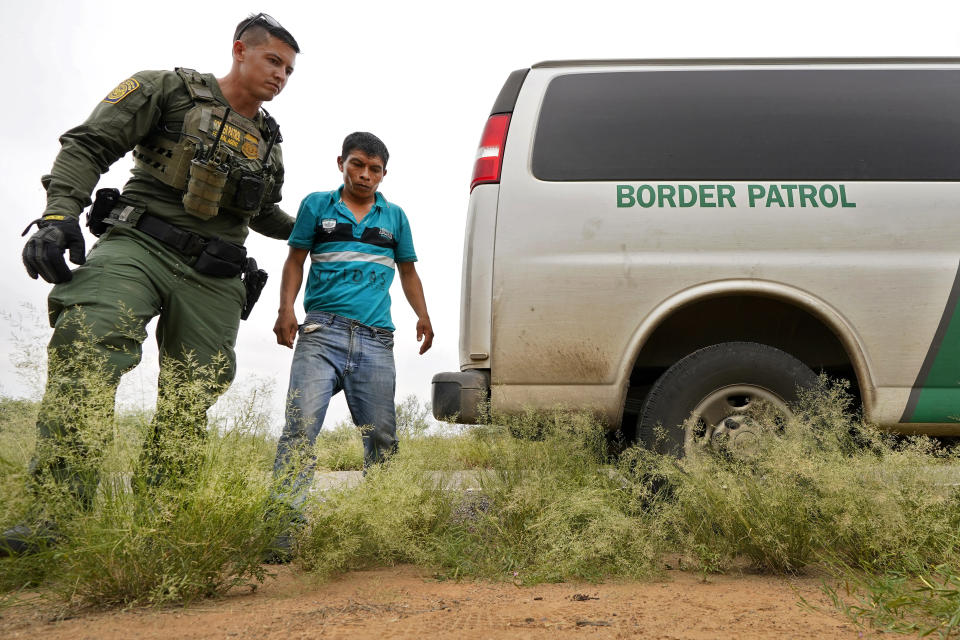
(99, 321)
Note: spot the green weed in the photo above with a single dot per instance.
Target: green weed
(527, 498)
(882, 514)
(339, 448)
(547, 510)
(189, 520)
(915, 599)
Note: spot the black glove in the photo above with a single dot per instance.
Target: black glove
(43, 253)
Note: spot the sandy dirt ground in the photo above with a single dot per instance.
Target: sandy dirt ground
(407, 602)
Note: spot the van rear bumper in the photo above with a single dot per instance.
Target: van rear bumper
(461, 396)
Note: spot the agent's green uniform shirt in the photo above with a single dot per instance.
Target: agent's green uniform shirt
(150, 101)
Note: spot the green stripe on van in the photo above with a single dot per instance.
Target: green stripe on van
(936, 393)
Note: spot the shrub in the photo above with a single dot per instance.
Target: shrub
(193, 524)
(548, 511)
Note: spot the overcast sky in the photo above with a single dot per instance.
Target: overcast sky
(421, 75)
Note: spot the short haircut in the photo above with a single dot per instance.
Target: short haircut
(256, 34)
(366, 142)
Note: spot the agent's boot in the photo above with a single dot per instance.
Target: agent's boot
(23, 539)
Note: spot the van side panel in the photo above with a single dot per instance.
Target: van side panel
(580, 265)
(935, 396)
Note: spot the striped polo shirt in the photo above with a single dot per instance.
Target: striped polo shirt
(352, 262)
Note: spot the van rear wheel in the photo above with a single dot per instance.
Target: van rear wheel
(709, 396)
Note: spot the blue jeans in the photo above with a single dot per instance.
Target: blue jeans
(334, 353)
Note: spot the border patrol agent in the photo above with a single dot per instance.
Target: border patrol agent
(207, 166)
(354, 238)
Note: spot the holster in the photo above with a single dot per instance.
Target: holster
(254, 280)
(97, 214)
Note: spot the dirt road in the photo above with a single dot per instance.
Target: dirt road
(406, 602)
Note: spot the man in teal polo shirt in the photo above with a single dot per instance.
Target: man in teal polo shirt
(354, 237)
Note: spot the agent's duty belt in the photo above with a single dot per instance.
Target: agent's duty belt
(214, 256)
(186, 242)
(110, 208)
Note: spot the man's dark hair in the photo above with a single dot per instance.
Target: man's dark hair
(366, 142)
(253, 30)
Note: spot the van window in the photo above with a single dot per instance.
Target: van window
(759, 125)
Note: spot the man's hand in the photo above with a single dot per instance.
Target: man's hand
(286, 327)
(425, 334)
(413, 290)
(43, 253)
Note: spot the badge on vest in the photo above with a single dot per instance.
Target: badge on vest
(249, 148)
(328, 224)
(122, 90)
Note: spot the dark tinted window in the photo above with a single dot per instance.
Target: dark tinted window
(813, 125)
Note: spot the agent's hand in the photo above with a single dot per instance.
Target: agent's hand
(424, 333)
(286, 328)
(43, 253)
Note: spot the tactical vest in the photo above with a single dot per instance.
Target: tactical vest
(240, 155)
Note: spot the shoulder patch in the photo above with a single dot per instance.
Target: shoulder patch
(123, 89)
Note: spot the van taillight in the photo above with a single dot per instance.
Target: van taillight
(490, 154)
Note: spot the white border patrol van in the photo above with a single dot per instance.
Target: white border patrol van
(655, 239)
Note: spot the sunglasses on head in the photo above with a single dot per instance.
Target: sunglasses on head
(260, 17)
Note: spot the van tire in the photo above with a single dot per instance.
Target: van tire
(748, 370)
